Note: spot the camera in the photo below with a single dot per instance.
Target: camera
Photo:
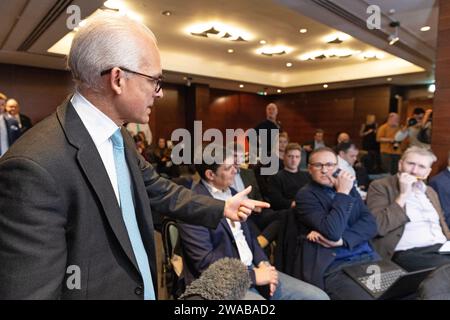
(396, 145)
(412, 122)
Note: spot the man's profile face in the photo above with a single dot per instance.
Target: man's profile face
(139, 92)
(224, 175)
(292, 159)
(416, 165)
(350, 156)
(321, 167)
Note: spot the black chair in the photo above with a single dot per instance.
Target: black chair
(173, 261)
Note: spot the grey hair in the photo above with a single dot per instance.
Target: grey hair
(420, 151)
(107, 40)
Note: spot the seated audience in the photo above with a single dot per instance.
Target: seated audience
(161, 156)
(342, 137)
(335, 228)
(317, 143)
(411, 224)
(441, 184)
(347, 158)
(283, 141)
(13, 108)
(265, 224)
(9, 127)
(284, 185)
(202, 246)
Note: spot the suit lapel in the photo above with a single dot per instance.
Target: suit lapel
(141, 203)
(92, 166)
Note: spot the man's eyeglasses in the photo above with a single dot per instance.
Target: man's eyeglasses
(158, 81)
(320, 166)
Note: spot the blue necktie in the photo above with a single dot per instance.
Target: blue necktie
(129, 215)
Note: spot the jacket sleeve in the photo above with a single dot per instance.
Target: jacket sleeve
(178, 202)
(275, 194)
(198, 247)
(388, 214)
(329, 223)
(33, 251)
(364, 229)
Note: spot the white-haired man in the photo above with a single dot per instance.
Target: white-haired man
(411, 224)
(76, 221)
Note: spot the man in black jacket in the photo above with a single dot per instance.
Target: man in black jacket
(285, 184)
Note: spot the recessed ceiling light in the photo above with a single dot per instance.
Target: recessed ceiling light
(279, 91)
(303, 30)
(389, 79)
(263, 42)
(289, 64)
(241, 86)
(325, 86)
(230, 50)
(166, 13)
(425, 28)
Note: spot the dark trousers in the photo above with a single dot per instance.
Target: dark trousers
(421, 258)
(339, 286)
(266, 223)
(390, 162)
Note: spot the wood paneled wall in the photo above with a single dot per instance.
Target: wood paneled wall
(38, 91)
(441, 108)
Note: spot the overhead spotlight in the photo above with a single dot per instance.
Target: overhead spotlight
(389, 79)
(263, 42)
(432, 88)
(425, 28)
(393, 38)
(230, 50)
(241, 86)
(279, 91)
(289, 64)
(325, 86)
(188, 81)
(166, 13)
(303, 30)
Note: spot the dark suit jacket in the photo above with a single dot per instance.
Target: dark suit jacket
(441, 184)
(202, 246)
(249, 179)
(25, 121)
(345, 216)
(59, 213)
(12, 127)
(391, 218)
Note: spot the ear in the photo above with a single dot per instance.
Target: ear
(209, 174)
(116, 80)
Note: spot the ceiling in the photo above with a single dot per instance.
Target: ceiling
(31, 27)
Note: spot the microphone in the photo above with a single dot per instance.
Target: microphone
(225, 279)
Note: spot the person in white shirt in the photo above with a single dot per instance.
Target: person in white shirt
(347, 157)
(411, 223)
(202, 246)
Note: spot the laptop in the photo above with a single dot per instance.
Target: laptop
(386, 280)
